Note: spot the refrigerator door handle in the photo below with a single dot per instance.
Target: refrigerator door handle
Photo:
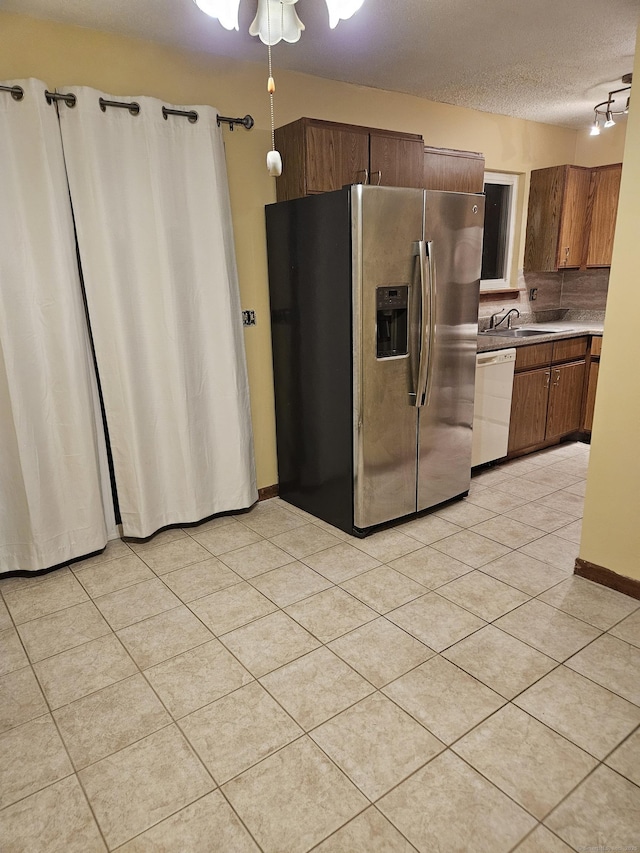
(432, 322)
(423, 251)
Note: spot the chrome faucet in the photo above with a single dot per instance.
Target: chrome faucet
(507, 317)
(492, 320)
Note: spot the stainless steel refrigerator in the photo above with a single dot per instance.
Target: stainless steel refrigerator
(374, 317)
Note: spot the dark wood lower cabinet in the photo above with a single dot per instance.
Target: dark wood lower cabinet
(547, 400)
(528, 409)
(564, 414)
(593, 367)
(591, 395)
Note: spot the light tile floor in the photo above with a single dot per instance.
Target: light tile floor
(266, 682)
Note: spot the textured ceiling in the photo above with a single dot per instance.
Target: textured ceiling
(545, 60)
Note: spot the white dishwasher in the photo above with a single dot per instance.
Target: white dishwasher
(492, 409)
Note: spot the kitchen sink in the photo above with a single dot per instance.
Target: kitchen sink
(517, 333)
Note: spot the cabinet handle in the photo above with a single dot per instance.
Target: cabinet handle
(566, 255)
(548, 378)
(379, 174)
(557, 382)
(366, 176)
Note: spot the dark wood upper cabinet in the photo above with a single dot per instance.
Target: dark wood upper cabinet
(571, 217)
(334, 157)
(573, 224)
(603, 209)
(453, 170)
(555, 218)
(396, 161)
(320, 156)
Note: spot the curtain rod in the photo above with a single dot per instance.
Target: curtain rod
(134, 108)
(247, 122)
(69, 99)
(17, 93)
(192, 115)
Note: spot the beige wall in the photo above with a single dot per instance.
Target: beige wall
(611, 529)
(62, 55)
(599, 150)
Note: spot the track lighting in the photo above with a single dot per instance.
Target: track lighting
(606, 109)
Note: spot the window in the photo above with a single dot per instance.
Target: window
(499, 226)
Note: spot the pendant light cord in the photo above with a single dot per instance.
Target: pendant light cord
(273, 131)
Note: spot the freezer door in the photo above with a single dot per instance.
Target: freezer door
(453, 236)
(386, 222)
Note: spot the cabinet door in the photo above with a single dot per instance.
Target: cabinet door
(571, 245)
(528, 409)
(591, 396)
(533, 355)
(570, 349)
(565, 399)
(396, 161)
(335, 157)
(290, 144)
(543, 219)
(453, 171)
(603, 203)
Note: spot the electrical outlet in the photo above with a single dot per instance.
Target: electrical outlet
(248, 318)
(533, 293)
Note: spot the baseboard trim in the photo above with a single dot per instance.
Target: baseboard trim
(544, 445)
(593, 572)
(268, 492)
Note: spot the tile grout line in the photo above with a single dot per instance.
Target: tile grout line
(323, 644)
(169, 724)
(74, 772)
(182, 808)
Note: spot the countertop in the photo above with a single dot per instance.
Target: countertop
(557, 331)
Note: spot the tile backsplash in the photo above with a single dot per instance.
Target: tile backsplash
(585, 290)
(557, 294)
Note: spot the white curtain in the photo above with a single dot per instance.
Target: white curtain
(51, 506)
(152, 213)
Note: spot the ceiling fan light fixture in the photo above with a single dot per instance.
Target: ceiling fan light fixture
(341, 10)
(276, 20)
(285, 25)
(226, 11)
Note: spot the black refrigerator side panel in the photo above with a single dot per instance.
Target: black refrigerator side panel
(309, 252)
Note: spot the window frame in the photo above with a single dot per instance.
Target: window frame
(510, 180)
